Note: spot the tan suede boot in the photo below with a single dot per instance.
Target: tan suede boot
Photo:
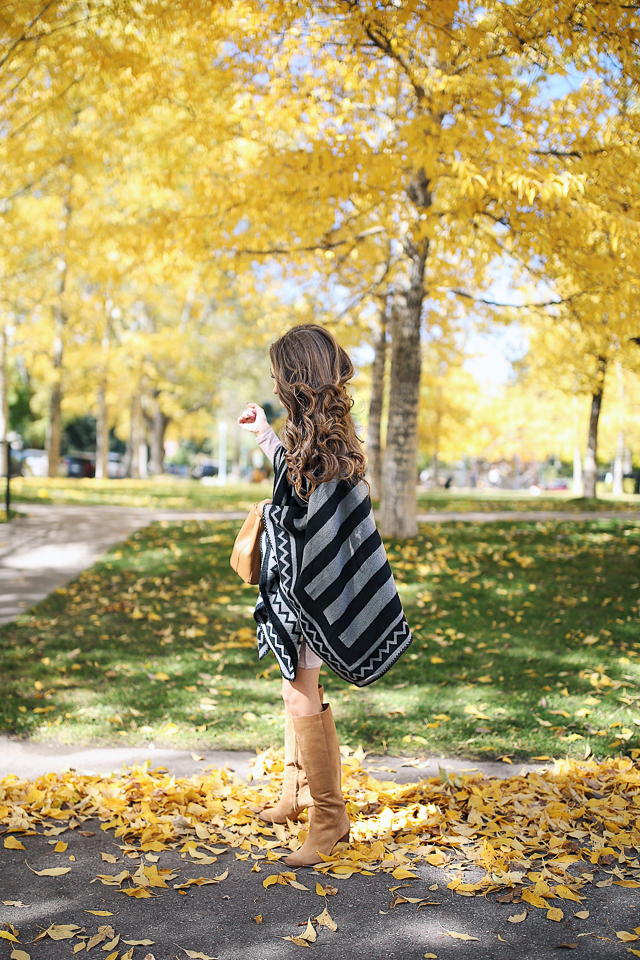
(320, 752)
(295, 789)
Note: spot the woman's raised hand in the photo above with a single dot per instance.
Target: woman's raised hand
(253, 419)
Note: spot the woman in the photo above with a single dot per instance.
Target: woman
(327, 594)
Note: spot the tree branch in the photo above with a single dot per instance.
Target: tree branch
(514, 306)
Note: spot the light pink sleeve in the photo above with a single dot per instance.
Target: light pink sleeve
(269, 443)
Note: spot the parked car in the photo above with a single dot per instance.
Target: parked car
(34, 463)
(80, 465)
(207, 468)
(560, 483)
(115, 466)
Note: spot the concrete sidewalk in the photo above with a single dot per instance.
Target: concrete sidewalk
(49, 545)
(28, 759)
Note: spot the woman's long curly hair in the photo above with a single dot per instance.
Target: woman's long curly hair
(311, 371)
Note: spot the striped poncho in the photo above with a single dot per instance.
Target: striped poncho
(326, 579)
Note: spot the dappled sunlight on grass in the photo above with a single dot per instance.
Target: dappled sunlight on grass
(526, 644)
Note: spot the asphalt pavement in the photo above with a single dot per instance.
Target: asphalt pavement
(218, 920)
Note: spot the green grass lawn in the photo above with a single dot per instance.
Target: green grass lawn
(490, 501)
(527, 644)
(170, 493)
(162, 492)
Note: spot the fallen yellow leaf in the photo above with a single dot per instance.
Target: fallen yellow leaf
(60, 931)
(51, 872)
(459, 936)
(309, 934)
(529, 896)
(12, 843)
(326, 921)
(196, 956)
(517, 917)
(401, 873)
(555, 913)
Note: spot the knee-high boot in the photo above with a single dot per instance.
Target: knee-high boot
(320, 752)
(295, 789)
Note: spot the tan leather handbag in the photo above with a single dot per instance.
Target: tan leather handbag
(245, 556)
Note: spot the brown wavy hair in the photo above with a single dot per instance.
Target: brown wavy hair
(311, 371)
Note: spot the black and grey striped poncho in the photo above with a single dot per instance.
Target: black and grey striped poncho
(326, 579)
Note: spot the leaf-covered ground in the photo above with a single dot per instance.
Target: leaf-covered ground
(185, 494)
(526, 645)
(540, 848)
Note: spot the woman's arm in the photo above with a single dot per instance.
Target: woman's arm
(269, 443)
(254, 419)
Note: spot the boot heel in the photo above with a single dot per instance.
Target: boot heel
(345, 839)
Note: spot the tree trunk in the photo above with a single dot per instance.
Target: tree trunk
(102, 435)
(54, 428)
(158, 428)
(398, 503)
(137, 434)
(618, 463)
(577, 471)
(591, 456)
(618, 489)
(374, 438)
(4, 391)
(102, 426)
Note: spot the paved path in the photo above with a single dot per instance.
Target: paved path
(528, 516)
(31, 760)
(48, 545)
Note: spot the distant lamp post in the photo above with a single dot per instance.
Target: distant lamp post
(7, 465)
(222, 453)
